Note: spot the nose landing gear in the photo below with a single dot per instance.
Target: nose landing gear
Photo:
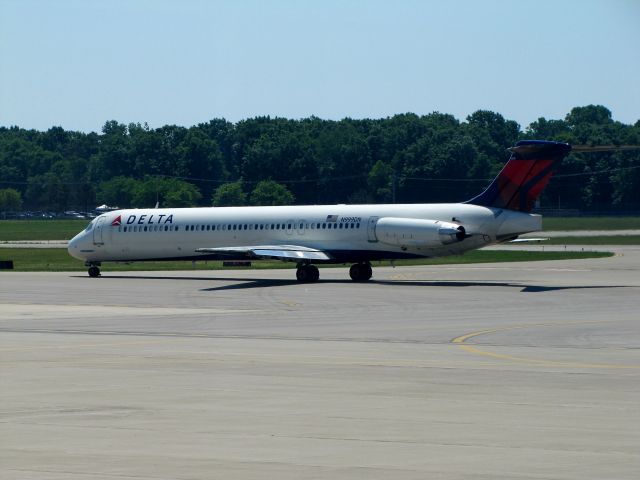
(94, 270)
(360, 272)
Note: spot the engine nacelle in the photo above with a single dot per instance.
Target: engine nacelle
(418, 233)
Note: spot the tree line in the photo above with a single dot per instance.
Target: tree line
(405, 158)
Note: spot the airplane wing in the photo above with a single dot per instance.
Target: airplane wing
(277, 252)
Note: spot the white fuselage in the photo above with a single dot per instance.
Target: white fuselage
(346, 232)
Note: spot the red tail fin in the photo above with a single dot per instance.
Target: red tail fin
(524, 176)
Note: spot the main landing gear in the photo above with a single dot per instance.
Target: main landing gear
(94, 270)
(360, 272)
(307, 273)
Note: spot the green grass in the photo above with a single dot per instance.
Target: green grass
(590, 223)
(57, 259)
(601, 240)
(11, 230)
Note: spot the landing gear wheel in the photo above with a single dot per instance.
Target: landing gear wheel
(94, 272)
(360, 272)
(307, 274)
(313, 273)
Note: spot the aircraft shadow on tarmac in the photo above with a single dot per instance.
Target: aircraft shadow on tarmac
(415, 283)
(249, 283)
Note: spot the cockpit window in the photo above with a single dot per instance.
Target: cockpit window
(90, 226)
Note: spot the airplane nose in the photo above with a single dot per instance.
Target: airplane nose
(73, 247)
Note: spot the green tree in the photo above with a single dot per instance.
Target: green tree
(10, 200)
(594, 114)
(229, 195)
(118, 191)
(381, 178)
(167, 192)
(269, 192)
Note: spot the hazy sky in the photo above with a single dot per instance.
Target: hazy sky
(78, 63)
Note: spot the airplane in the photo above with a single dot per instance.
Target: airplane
(322, 234)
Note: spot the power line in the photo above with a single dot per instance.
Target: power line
(317, 180)
(597, 172)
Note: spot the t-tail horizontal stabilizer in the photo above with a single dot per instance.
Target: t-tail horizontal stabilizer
(524, 176)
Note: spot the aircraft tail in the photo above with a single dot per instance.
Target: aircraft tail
(524, 176)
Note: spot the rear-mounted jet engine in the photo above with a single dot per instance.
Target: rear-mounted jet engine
(418, 233)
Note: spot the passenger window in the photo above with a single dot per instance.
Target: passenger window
(245, 226)
(125, 229)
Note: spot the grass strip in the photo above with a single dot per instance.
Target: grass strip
(590, 223)
(12, 230)
(57, 259)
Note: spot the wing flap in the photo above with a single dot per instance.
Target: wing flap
(277, 252)
(528, 240)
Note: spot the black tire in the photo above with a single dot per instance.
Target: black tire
(354, 272)
(367, 272)
(314, 273)
(302, 275)
(307, 274)
(94, 272)
(360, 272)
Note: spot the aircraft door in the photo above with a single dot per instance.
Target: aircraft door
(97, 231)
(300, 224)
(371, 229)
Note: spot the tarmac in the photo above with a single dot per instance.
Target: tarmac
(485, 371)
